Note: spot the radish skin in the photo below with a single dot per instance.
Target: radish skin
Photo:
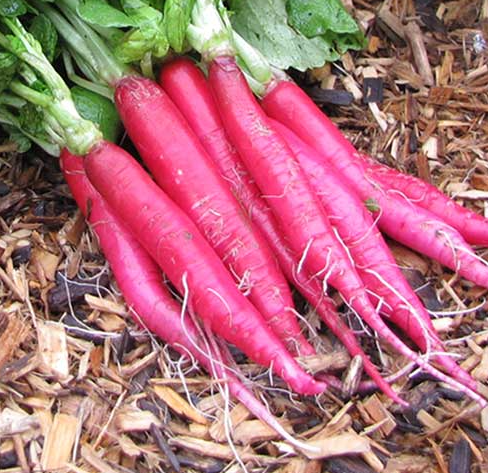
(411, 225)
(187, 259)
(294, 204)
(186, 85)
(371, 255)
(183, 169)
(140, 280)
(137, 275)
(471, 225)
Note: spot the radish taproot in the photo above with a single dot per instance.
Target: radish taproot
(183, 169)
(141, 283)
(371, 255)
(405, 222)
(186, 85)
(189, 262)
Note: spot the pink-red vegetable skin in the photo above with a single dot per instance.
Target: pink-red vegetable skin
(411, 225)
(139, 279)
(288, 193)
(189, 262)
(471, 225)
(183, 169)
(186, 85)
(198, 107)
(138, 276)
(371, 255)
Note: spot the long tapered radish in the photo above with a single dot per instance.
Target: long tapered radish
(333, 144)
(371, 255)
(293, 202)
(188, 261)
(411, 225)
(138, 276)
(140, 280)
(186, 85)
(183, 169)
(471, 225)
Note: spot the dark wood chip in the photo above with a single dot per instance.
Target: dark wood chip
(373, 90)
(163, 446)
(8, 459)
(206, 465)
(426, 11)
(347, 465)
(4, 189)
(140, 380)
(123, 345)
(10, 200)
(423, 288)
(460, 461)
(22, 254)
(329, 96)
(74, 290)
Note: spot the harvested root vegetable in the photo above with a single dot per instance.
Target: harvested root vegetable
(140, 281)
(188, 88)
(189, 262)
(371, 255)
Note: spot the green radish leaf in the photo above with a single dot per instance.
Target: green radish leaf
(44, 31)
(317, 17)
(8, 68)
(23, 143)
(264, 24)
(99, 110)
(12, 8)
(31, 119)
(177, 15)
(141, 12)
(327, 19)
(372, 205)
(135, 44)
(98, 12)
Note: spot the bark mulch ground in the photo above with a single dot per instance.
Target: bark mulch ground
(83, 389)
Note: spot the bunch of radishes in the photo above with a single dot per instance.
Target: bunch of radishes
(248, 197)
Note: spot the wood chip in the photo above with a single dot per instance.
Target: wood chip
(178, 404)
(336, 445)
(58, 446)
(105, 305)
(15, 422)
(132, 419)
(53, 349)
(14, 331)
(378, 412)
(215, 450)
(89, 454)
(236, 416)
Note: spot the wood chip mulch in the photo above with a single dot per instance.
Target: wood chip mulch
(83, 389)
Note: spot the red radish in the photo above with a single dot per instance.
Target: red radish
(371, 255)
(293, 202)
(139, 279)
(188, 261)
(186, 85)
(183, 169)
(138, 276)
(411, 225)
(472, 226)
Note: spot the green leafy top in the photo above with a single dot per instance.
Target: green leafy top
(296, 33)
(48, 110)
(327, 19)
(149, 27)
